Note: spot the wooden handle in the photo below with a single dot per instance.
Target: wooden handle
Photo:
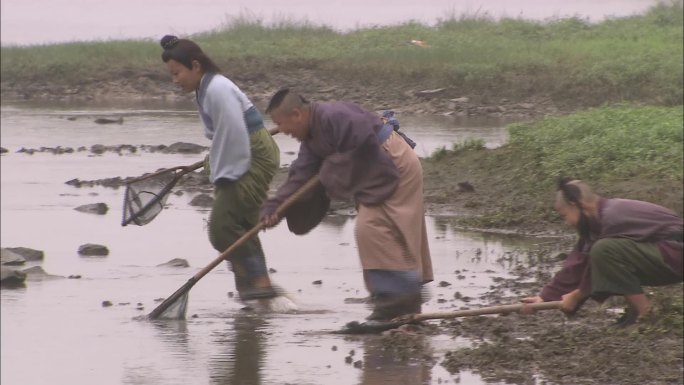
(186, 169)
(501, 309)
(192, 167)
(307, 187)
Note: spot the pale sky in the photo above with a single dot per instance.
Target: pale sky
(47, 21)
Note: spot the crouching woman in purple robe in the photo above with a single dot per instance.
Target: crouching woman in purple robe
(623, 244)
(359, 159)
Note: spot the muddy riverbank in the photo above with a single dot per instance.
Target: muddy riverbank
(544, 348)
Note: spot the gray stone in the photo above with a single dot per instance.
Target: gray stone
(98, 149)
(28, 254)
(109, 121)
(34, 270)
(176, 262)
(9, 257)
(93, 208)
(90, 250)
(202, 200)
(11, 277)
(184, 148)
(196, 179)
(37, 273)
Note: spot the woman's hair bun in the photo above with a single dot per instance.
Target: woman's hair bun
(169, 41)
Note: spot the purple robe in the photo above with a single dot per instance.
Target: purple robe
(358, 159)
(620, 218)
(343, 149)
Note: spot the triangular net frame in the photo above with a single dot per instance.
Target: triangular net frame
(146, 196)
(180, 295)
(177, 310)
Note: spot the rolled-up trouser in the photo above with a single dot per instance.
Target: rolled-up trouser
(391, 281)
(393, 292)
(236, 210)
(621, 266)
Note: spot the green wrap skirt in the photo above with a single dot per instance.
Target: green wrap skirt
(236, 209)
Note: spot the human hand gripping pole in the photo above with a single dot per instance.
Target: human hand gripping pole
(168, 302)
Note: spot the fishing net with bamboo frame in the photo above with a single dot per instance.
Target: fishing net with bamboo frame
(145, 197)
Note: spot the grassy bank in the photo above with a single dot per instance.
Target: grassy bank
(627, 59)
(623, 152)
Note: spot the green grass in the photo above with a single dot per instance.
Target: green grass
(456, 148)
(626, 152)
(633, 58)
(618, 142)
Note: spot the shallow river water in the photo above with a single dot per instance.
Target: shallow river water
(56, 331)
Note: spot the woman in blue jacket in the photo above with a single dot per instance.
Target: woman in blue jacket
(243, 158)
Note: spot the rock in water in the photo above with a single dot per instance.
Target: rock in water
(93, 208)
(11, 277)
(109, 121)
(90, 249)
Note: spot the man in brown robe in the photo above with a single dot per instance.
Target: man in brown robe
(623, 244)
(360, 159)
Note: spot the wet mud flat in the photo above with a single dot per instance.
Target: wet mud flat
(545, 348)
(551, 348)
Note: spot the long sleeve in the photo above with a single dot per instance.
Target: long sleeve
(222, 108)
(301, 170)
(574, 274)
(355, 166)
(343, 149)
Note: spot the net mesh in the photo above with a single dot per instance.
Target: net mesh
(177, 310)
(145, 197)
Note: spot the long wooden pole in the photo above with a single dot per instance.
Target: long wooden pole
(307, 187)
(500, 309)
(370, 327)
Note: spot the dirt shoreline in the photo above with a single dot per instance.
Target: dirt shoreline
(315, 84)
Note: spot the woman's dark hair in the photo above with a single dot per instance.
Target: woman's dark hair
(185, 51)
(572, 193)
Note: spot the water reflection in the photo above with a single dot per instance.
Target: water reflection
(336, 221)
(244, 351)
(173, 333)
(174, 337)
(385, 365)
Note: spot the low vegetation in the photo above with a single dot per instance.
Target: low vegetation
(628, 152)
(635, 58)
